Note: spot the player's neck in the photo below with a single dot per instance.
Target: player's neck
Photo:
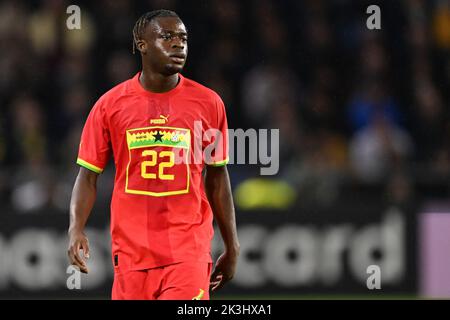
(158, 83)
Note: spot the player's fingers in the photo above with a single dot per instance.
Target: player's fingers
(85, 247)
(215, 282)
(77, 247)
(76, 255)
(75, 262)
(84, 270)
(224, 278)
(81, 265)
(222, 282)
(72, 256)
(217, 286)
(215, 274)
(78, 259)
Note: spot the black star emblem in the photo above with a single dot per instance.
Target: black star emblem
(158, 136)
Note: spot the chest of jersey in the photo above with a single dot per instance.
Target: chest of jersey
(158, 142)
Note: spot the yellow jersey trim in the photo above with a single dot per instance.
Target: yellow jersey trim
(89, 166)
(219, 163)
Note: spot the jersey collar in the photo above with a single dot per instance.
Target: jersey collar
(137, 85)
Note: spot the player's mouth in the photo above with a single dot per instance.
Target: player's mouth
(178, 57)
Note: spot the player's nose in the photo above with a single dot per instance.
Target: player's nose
(178, 44)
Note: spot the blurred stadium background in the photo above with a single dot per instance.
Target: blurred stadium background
(364, 140)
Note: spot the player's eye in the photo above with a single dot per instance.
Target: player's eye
(166, 36)
(170, 37)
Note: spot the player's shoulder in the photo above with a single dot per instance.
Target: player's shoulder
(116, 93)
(200, 90)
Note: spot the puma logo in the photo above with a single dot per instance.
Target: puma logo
(161, 120)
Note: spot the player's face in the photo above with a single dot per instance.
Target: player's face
(166, 45)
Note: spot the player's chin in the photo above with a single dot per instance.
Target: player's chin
(173, 68)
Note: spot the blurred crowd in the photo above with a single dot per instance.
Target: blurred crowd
(355, 107)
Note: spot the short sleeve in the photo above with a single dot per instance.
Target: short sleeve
(94, 150)
(216, 154)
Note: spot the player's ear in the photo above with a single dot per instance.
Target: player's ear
(141, 45)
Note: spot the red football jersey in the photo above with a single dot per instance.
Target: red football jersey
(159, 210)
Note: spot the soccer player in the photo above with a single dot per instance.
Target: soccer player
(162, 209)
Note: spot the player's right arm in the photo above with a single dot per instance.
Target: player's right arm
(83, 198)
(93, 155)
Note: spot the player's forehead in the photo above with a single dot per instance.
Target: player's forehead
(166, 24)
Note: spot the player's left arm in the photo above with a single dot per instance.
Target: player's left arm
(218, 190)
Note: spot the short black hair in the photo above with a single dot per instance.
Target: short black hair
(144, 20)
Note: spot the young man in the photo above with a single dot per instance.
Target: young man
(162, 208)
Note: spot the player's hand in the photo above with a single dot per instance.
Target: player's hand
(224, 270)
(78, 241)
